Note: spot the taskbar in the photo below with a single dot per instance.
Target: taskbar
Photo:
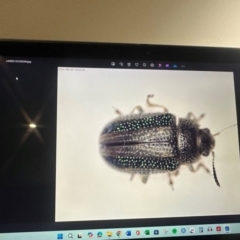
(130, 233)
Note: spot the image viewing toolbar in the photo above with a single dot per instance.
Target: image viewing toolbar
(140, 64)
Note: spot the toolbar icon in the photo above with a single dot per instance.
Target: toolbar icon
(113, 64)
(136, 64)
(165, 231)
(147, 232)
(159, 65)
(144, 64)
(109, 234)
(174, 231)
(201, 229)
(99, 234)
(183, 230)
(80, 235)
(90, 234)
(119, 233)
(128, 233)
(59, 236)
(156, 232)
(218, 229)
(138, 232)
(152, 65)
(227, 229)
(192, 230)
(121, 64)
(167, 65)
(129, 64)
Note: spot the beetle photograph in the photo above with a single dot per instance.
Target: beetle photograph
(159, 139)
(153, 143)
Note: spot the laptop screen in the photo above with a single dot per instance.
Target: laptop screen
(117, 141)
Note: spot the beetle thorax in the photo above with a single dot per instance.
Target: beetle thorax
(187, 141)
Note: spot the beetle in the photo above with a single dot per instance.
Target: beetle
(146, 143)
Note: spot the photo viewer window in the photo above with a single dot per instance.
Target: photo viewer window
(88, 188)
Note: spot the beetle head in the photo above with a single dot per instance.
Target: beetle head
(206, 141)
(206, 144)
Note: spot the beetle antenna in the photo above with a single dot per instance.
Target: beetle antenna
(214, 171)
(224, 129)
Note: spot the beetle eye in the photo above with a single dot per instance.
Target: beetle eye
(205, 153)
(206, 130)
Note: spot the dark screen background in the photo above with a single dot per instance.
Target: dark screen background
(27, 167)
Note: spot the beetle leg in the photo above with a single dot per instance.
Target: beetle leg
(132, 175)
(203, 166)
(144, 177)
(190, 166)
(176, 173)
(200, 165)
(170, 181)
(118, 112)
(190, 115)
(155, 105)
(138, 108)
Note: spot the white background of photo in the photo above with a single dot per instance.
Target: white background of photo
(87, 188)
